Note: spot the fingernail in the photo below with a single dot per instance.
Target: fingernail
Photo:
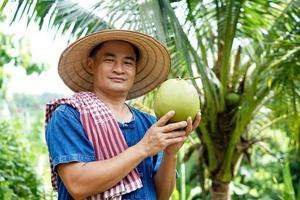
(172, 112)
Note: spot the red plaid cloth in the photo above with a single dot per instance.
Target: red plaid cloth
(104, 133)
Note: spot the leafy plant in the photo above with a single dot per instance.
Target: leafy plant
(15, 52)
(18, 179)
(290, 192)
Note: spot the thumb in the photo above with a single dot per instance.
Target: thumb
(164, 119)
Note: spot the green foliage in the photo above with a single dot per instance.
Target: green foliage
(18, 179)
(289, 192)
(31, 103)
(28, 119)
(291, 173)
(25, 134)
(259, 180)
(15, 52)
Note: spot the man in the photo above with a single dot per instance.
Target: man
(101, 148)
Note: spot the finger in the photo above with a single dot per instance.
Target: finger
(176, 140)
(189, 127)
(174, 134)
(174, 126)
(197, 120)
(164, 119)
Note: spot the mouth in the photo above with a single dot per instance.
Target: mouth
(117, 79)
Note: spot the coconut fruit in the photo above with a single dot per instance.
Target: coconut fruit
(178, 95)
(232, 99)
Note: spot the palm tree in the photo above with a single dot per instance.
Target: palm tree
(245, 53)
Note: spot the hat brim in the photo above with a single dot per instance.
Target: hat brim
(153, 65)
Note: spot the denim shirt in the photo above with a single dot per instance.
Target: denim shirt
(67, 143)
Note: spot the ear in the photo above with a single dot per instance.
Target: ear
(90, 65)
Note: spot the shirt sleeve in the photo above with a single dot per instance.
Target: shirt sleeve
(156, 162)
(66, 139)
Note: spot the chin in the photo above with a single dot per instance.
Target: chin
(122, 91)
(120, 87)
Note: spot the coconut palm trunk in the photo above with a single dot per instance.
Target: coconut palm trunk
(220, 191)
(239, 53)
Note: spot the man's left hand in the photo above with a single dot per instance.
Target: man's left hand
(174, 148)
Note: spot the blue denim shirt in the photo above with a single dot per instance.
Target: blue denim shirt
(67, 142)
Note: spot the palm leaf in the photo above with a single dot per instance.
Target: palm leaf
(298, 191)
(289, 192)
(61, 16)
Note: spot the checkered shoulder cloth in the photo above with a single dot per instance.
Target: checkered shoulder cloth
(105, 135)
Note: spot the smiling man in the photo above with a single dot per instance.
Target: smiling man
(99, 147)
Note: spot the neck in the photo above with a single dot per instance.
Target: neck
(116, 104)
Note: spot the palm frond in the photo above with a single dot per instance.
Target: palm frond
(232, 15)
(210, 84)
(62, 16)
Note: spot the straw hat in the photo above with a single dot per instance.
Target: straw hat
(152, 67)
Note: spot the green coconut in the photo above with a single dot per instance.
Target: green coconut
(232, 99)
(178, 95)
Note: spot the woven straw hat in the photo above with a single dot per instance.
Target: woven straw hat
(152, 67)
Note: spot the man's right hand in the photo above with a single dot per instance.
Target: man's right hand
(161, 134)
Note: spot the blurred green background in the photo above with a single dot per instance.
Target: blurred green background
(242, 56)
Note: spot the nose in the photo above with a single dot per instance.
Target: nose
(118, 67)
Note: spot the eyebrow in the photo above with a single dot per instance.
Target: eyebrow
(113, 55)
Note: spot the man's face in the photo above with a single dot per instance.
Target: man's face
(114, 68)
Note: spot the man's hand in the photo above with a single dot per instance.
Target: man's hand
(165, 178)
(160, 135)
(174, 148)
(168, 137)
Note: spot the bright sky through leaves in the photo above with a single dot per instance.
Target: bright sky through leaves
(44, 49)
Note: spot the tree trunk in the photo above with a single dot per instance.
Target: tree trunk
(220, 191)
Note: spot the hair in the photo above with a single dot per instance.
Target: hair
(97, 48)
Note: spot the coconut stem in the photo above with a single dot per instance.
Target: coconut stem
(192, 78)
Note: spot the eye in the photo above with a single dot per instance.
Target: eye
(109, 59)
(128, 62)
